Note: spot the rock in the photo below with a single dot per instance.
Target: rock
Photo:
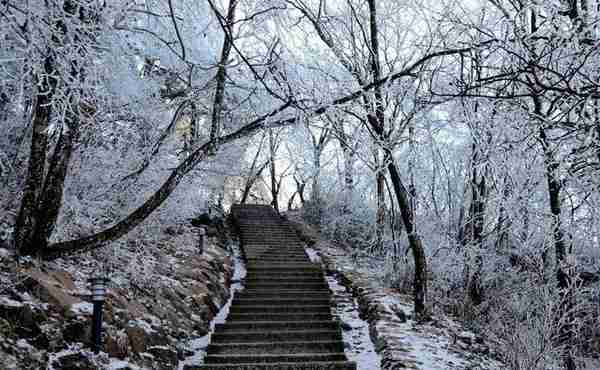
(74, 361)
(165, 356)
(77, 331)
(63, 278)
(119, 307)
(202, 220)
(23, 321)
(400, 314)
(211, 231)
(141, 338)
(137, 339)
(49, 289)
(116, 346)
(6, 329)
(171, 230)
(345, 326)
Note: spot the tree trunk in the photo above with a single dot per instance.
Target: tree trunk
(414, 241)
(348, 180)
(475, 223)
(273, 172)
(563, 277)
(51, 200)
(381, 211)
(217, 107)
(251, 181)
(27, 217)
(254, 174)
(315, 200)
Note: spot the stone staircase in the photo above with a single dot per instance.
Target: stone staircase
(282, 319)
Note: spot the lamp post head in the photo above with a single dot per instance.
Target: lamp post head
(99, 284)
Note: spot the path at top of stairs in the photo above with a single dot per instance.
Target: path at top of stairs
(282, 319)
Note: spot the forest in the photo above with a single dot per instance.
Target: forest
(455, 144)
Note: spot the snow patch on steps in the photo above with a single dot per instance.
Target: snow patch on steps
(198, 345)
(355, 331)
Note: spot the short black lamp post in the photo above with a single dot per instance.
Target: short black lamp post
(99, 284)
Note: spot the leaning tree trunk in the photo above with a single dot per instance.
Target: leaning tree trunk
(377, 120)
(414, 240)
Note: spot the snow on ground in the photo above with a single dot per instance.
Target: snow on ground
(439, 344)
(436, 345)
(82, 308)
(120, 364)
(198, 345)
(313, 255)
(358, 345)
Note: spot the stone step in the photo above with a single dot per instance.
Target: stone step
(279, 301)
(284, 275)
(268, 358)
(267, 233)
(276, 252)
(271, 240)
(268, 285)
(284, 279)
(280, 309)
(312, 365)
(277, 259)
(266, 245)
(279, 316)
(246, 326)
(261, 253)
(274, 278)
(264, 223)
(275, 336)
(286, 265)
(331, 346)
(248, 293)
(290, 270)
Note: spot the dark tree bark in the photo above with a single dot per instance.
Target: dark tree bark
(26, 219)
(251, 181)
(217, 108)
(273, 172)
(414, 241)
(381, 210)
(51, 200)
(254, 173)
